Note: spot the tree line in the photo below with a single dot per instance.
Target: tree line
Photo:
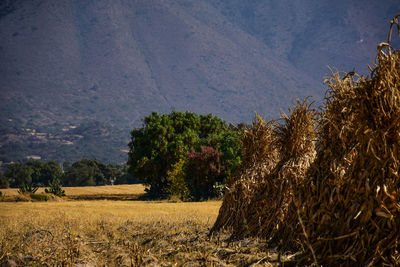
(85, 172)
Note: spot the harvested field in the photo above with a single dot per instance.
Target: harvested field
(122, 233)
(110, 192)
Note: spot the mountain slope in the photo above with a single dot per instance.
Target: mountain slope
(68, 62)
(312, 34)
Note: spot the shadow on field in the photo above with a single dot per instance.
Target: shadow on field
(116, 197)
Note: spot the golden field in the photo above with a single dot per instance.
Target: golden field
(134, 211)
(88, 191)
(121, 233)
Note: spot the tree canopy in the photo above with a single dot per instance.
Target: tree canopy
(33, 172)
(94, 172)
(81, 173)
(165, 139)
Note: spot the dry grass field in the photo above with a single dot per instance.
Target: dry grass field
(110, 192)
(121, 233)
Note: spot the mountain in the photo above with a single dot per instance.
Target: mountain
(65, 63)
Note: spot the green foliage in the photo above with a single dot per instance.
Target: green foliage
(55, 188)
(164, 139)
(33, 172)
(19, 174)
(83, 172)
(39, 197)
(27, 188)
(177, 185)
(44, 172)
(4, 183)
(160, 143)
(228, 143)
(219, 189)
(92, 172)
(122, 176)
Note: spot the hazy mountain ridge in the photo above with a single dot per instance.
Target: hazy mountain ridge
(312, 34)
(116, 61)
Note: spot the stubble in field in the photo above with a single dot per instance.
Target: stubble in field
(120, 233)
(111, 192)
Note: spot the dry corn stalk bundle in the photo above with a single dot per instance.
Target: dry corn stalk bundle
(260, 203)
(259, 158)
(272, 213)
(336, 149)
(335, 145)
(352, 213)
(257, 143)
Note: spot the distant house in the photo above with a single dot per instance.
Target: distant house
(33, 157)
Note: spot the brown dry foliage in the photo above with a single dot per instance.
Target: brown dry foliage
(340, 198)
(352, 212)
(271, 213)
(259, 158)
(260, 202)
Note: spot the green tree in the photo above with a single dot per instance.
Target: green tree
(122, 176)
(36, 167)
(228, 143)
(156, 146)
(51, 170)
(87, 172)
(82, 173)
(19, 174)
(164, 139)
(44, 172)
(4, 183)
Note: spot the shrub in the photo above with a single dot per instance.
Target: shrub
(204, 170)
(176, 178)
(4, 183)
(39, 197)
(27, 188)
(55, 188)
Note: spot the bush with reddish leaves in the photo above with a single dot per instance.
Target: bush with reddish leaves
(204, 170)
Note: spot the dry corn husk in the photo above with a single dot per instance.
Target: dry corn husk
(259, 157)
(351, 209)
(336, 191)
(260, 202)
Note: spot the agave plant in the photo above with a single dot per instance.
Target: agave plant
(27, 188)
(55, 188)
